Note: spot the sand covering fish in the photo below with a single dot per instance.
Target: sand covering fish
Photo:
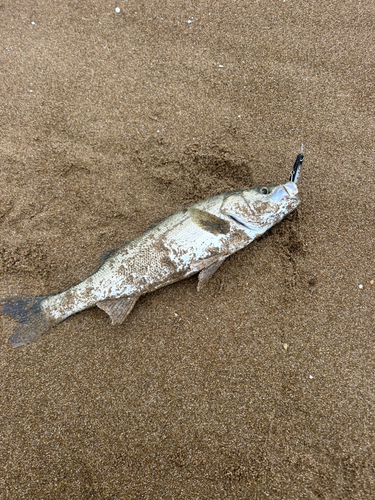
(195, 240)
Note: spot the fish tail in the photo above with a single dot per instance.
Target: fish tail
(32, 320)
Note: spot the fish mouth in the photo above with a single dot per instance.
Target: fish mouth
(296, 200)
(293, 197)
(291, 189)
(288, 192)
(285, 192)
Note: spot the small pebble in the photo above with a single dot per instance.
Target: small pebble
(310, 376)
(221, 66)
(32, 22)
(117, 9)
(189, 21)
(360, 286)
(371, 282)
(285, 346)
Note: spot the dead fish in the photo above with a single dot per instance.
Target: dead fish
(195, 240)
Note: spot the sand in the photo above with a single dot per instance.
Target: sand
(262, 385)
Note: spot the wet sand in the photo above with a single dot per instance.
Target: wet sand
(262, 385)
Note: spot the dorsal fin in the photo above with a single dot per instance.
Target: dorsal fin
(110, 252)
(107, 254)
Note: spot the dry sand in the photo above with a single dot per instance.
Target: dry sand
(110, 121)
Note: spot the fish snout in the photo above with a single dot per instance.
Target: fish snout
(291, 189)
(285, 192)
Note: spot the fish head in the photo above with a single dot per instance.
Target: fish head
(260, 208)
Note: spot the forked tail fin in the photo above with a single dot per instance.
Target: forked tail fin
(32, 321)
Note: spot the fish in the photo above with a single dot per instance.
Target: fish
(196, 240)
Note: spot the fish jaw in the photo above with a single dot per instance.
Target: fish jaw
(292, 189)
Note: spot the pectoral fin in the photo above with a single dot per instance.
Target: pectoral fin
(205, 275)
(118, 309)
(209, 222)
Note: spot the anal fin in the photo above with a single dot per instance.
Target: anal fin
(206, 273)
(118, 309)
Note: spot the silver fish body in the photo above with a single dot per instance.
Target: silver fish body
(195, 240)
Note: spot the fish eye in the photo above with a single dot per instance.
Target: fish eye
(264, 190)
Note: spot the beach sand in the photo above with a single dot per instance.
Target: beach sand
(262, 385)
